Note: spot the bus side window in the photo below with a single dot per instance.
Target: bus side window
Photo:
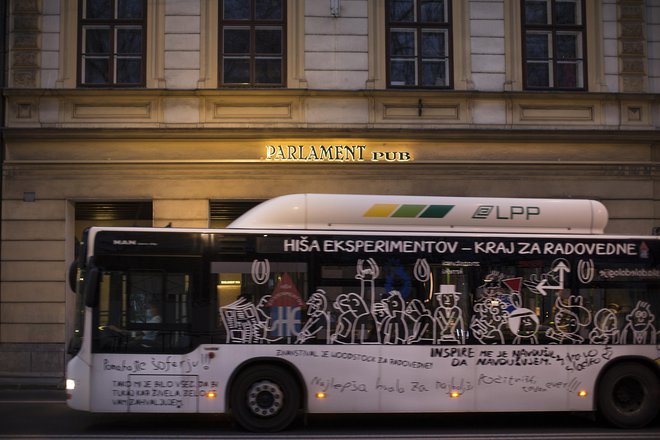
(624, 314)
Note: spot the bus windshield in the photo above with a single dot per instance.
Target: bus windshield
(76, 280)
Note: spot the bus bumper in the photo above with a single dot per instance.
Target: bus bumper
(78, 384)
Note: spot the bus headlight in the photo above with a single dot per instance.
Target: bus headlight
(70, 384)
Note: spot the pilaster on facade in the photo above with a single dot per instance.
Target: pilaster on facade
(632, 46)
(25, 42)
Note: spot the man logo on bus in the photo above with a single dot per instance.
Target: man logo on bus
(124, 242)
(514, 212)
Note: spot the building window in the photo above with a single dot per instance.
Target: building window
(252, 44)
(554, 44)
(419, 43)
(112, 43)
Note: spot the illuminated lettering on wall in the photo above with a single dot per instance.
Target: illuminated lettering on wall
(332, 153)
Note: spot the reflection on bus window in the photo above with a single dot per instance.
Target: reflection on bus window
(143, 311)
(259, 301)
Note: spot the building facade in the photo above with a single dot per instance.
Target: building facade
(186, 112)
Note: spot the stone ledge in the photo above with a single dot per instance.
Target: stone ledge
(27, 381)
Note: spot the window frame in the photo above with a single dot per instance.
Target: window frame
(553, 30)
(420, 28)
(253, 24)
(113, 24)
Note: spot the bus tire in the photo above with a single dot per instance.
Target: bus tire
(628, 395)
(265, 398)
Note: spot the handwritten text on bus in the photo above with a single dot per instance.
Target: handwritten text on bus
(304, 244)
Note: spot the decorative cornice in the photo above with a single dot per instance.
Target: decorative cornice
(410, 94)
(374, 135)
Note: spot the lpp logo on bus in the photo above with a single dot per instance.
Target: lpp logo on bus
(483, 212)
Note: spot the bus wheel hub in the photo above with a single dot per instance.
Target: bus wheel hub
(629, 394)
(265, 398)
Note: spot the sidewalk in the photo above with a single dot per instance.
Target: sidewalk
(31, 389)
(25, 382)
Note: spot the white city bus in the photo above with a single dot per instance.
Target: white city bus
(316, 303)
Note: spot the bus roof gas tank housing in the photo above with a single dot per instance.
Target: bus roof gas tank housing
(426, 214)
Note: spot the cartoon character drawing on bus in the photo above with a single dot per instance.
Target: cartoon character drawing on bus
(367, 275)
(639, 328)
(317, 326)
(605, 329)
(394, 329)
(264, 317)
(488, 320)
(245, 322)
(355, 323)
(448, 316)
(344, 328)
(524, 324)
(505, 290)
(570, 318)
(422, 323)
(380, 312)
(496, 299)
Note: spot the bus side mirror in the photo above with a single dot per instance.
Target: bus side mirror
(73, 277)
(92, 279)
(74, 345)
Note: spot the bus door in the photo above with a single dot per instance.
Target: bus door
(144, 333)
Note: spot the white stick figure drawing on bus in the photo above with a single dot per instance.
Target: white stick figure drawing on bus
(570, 317)
(640, 328)
(354, 324)
(605, 329)
(422, 322)
(488, 321)
(524, 323)
(317, 326)
(367, 274)
(448, 316)
(394, 327)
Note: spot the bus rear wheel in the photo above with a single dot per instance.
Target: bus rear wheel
(265, 398)
(628, 395)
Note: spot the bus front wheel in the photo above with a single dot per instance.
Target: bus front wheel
(628, 395)
(265, 398)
